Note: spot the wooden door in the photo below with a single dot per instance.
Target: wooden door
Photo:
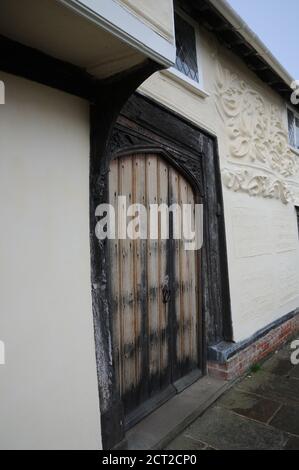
(154, 291)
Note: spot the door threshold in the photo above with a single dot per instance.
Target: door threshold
(149, 406)
(158, 400)
(159, 428)
(181, 384)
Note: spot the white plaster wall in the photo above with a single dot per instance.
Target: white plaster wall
(158, 17)
(263, 251)
(260, 181)
(48, 386)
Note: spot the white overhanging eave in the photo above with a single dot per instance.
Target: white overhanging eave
(239, 24)
(116, 20)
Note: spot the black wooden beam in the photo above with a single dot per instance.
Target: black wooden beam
(37, 66)
(258, 68)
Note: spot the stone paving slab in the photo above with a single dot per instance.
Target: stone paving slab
(250, 406)
(186, 443)
(225, 430)
(295, 372)
(271, 386)
(278, 365)
(287, 419)
(292, 444)
(261, 411)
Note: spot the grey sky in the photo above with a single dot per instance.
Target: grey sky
(276, 24)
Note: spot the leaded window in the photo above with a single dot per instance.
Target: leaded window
(293, 125)
(297, 213)
(186, 56)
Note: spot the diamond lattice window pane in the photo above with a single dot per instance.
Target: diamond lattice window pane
(291, 125)
(186, 60)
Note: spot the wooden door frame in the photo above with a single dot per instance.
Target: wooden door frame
(145, 126)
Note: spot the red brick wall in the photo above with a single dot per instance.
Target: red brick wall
(256, 352)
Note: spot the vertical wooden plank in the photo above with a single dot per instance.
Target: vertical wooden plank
(193, 293)
(175, 288)
(115, 287)
(163, 278)
(153, 282)
(140, 286)
(184, 286)
(127, 293)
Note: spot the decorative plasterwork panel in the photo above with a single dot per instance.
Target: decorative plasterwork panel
(256, 136)
(257, 185)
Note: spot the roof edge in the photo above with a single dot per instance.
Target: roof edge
(241, 26)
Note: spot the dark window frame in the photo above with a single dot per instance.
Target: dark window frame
(297, 214)
(293, 128)
(187, 60)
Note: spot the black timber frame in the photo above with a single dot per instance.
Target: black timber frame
(107, 98)
(145, 125)
(32, 64)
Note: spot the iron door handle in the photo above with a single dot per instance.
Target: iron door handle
(166, 294)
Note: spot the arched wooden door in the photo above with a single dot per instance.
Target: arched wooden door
(154, 291)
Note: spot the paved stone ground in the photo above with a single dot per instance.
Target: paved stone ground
(261, 411)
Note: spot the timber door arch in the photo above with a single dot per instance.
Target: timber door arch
(134, 379)
(154, 288)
